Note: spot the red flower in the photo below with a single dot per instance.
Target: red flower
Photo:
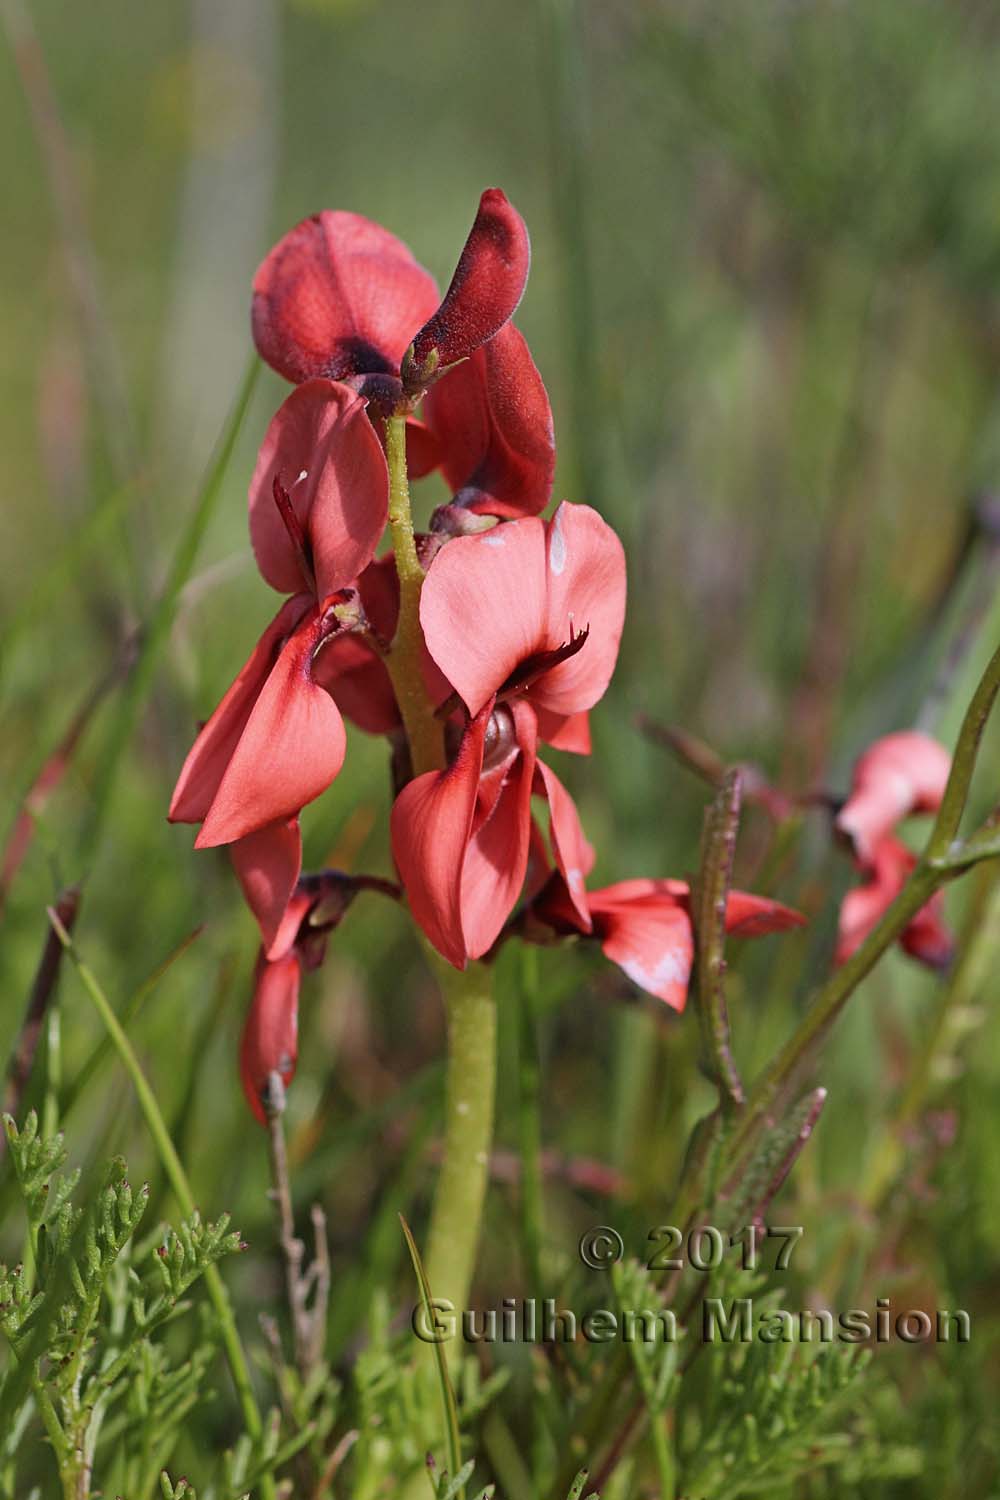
(524, 621)
(275, 742)
(310, 912)
(644, 926)
(341, 297)
(925, 938)
(900, 774)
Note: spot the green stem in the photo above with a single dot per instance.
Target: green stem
(404, 661)
(468, 1134)
(177, 1178)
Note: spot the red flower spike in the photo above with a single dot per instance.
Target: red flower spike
(898, 775)
(338, 296)
(321, 452)
(493, 425)
(268, 864)
(275, 742)
(494, 601)
(487, 286)
(925, 938)
(270, 1035)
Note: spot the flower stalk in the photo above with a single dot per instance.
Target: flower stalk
(470, 1085)
(403, 661)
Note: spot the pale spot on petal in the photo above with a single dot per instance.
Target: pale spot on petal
(493, 540)
(557, 544)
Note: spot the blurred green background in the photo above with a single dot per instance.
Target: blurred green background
(764, 298)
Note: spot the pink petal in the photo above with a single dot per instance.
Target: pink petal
(585, 579)
(565, 731)
(268, 864)
(270, 1035)
(899, 774)
(212, 751)
(926, 937)
(338, 296)
(324, 451)
(487, 285)
(573, 855)
(290, 749)
(483, 607)
(650, 938)
(430, 825)
(496, 858)
(493, 424)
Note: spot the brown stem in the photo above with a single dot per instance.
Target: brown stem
(308, 1322)
(42, 990)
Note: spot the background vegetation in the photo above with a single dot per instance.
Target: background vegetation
(764, 298)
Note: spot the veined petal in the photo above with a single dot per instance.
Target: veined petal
(215, 746)
(483, 607)
(268, 864)
(493, 424)
(430, 824)
(324, 451)
(487, 286)
(270, 1035)
(290, 749)
(585, 589)
(338, 296)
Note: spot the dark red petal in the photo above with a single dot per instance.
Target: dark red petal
(323, 450)
(290, 749)
(493, 424)
(927, 938)
(268, 864)
(356, 679)
(338, 296)
(431, 824)
(755, 916)
(270, 1035)
(423, 452)
(212, 751)
(487, 286)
